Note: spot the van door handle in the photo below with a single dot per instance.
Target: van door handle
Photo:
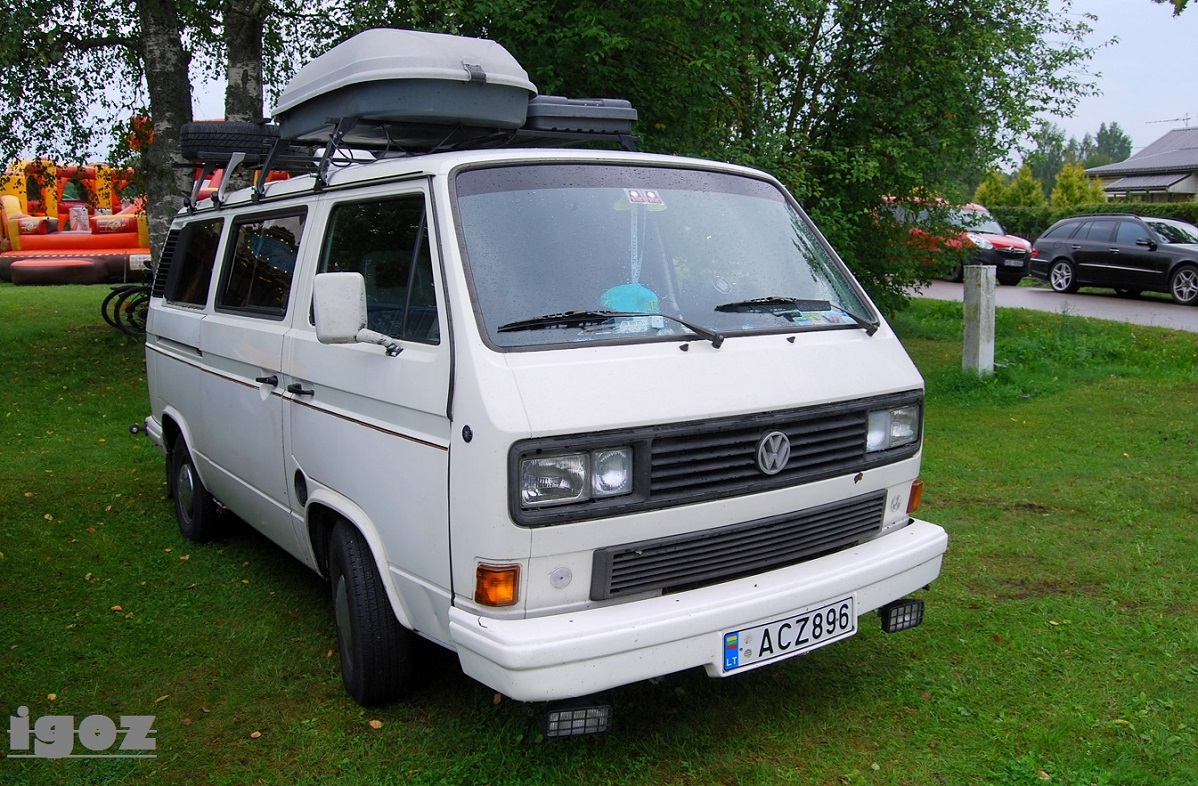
(300, 390)
(272, 380)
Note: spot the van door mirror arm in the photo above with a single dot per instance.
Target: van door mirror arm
(367, 336)
(339, 311)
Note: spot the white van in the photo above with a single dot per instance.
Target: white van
(582, 417)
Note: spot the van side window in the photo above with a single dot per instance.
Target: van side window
(260, 270)
(191, 261)
(387, 242)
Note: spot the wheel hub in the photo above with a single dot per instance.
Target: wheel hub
(185, 488)
(1186, 286)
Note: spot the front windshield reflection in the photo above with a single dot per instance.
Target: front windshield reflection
(1175, 231)
(542, 241)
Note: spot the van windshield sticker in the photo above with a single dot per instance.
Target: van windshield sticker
(637, 196)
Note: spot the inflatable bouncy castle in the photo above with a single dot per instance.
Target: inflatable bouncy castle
(66, 224)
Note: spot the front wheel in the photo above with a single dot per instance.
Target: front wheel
(195, 508)
(377, 652)
(1061, 276)
(1183, 285)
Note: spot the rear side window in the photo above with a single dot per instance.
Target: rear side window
(189, 264)
(1100, 231)
(262, 254)
(1061, 231)
(387, 241)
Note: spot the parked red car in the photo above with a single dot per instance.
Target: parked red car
(977, 232)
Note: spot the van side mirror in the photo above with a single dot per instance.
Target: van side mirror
(339, 309)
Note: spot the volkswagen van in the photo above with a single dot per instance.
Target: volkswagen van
(581, 417)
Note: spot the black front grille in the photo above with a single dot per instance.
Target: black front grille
(685, 463)
(709, 557)
(723, 460)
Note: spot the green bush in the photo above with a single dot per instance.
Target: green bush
(1029, 222)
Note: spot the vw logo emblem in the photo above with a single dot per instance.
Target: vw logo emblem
(773, 451)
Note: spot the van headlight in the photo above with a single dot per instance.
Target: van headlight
(575, 477)
(892, 428)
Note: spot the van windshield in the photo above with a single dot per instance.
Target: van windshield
(565, 253)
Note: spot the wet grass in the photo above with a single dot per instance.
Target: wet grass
(1060, 643)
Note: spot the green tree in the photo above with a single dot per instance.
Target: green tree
(993, 190)
(1079, 151)
(1074, 188)
(845, 102)
(1050, 152)
(1111, 145)
(73, 76)
(1026, 190)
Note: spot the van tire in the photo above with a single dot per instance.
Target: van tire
(376, 651)
(195, 507)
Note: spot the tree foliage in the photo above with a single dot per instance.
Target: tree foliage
(1178, 5)
(1051, 154)
(993, 190)
(1111, 145)
(845, 102)
(73, 76)
(1072, 187)
(1026, 190)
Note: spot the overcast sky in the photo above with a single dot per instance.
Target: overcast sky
(1148, 79)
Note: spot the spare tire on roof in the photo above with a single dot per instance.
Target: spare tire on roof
(214, 141)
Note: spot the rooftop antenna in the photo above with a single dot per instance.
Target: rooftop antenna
(1183, 119)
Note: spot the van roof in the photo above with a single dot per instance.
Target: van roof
(379, 170)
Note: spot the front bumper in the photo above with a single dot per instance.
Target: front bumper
(568, 655)
(154, 431)
(1005, 264)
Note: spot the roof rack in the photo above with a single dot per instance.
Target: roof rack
(395, 93)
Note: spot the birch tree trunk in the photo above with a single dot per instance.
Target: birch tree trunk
(166, 68)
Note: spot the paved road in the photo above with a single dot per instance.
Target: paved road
(1150, 309)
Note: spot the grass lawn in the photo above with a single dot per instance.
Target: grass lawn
(1060, 646)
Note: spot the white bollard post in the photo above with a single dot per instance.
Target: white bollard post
(978, 353)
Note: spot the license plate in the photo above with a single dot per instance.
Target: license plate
(1013, 262)
(790, 636)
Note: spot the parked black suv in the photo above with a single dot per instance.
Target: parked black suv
(1127, 253)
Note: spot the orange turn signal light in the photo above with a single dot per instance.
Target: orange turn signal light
(916, 496)
(496, 585)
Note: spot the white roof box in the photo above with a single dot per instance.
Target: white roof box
(388, 76)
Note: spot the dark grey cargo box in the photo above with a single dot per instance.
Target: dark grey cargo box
(590, 115)
(402, 78)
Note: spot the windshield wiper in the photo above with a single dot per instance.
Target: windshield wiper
(782, 306)
(587, 317)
